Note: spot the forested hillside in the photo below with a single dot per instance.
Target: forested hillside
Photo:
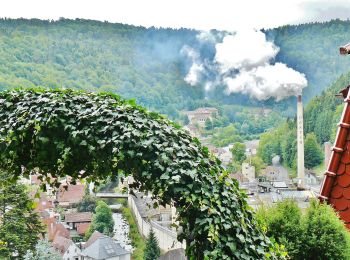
(134, 62)
(147, 64)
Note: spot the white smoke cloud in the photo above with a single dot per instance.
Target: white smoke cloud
(277, 81)
(242, 64)
(244, 50)
(193, 76)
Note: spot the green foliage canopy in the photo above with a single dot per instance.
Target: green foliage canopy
(238, 152)
(318, 234)
(20, 226)
(88, 203)
(93, 136)
(313, 152)
(102, 220)
(225, 136)
(43, 251)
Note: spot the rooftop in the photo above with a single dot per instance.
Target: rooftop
(77, 217)
(104, 248)
(82, 228)
(55, 229)
(336, 185)
(61, 244)
(93, 238)
(73, 194)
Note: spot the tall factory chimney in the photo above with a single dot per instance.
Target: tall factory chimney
(300, 147)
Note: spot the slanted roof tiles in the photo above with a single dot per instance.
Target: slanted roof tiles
(61, 244)
(82, 228)
(104, 248)
(77, 217)
(336, 185)
(73, 194)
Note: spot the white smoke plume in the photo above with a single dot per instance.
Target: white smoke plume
(242, 63)
(194, 74)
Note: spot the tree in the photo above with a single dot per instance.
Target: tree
(225, 136)
(282, 222)
(238, 152)
(96, 135)
(43, 251)
(102, 220)
(208, 124)
(20, 226)
(318, 234)
(152, 250)
(88, 203)
(313, 152)
(325, 236)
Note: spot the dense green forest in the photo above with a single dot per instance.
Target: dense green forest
(147, 64)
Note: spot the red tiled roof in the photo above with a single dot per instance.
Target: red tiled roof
(82, 228)
(61, 244)
(78, 217)
(55, 229)
(336, 185)
(73, 194)
(43, 203)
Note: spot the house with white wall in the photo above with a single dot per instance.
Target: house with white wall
(67, 248)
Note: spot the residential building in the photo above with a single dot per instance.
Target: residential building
(104, 248)
(55, 229)
(70, 195)
(76, 218)
(67, 249)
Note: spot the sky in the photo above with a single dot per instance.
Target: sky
(228, 15)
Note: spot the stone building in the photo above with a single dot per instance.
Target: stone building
(200, 115)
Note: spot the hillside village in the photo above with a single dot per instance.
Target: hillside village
(124, 142)
(274, 183)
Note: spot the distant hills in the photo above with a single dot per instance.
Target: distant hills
(147, 64)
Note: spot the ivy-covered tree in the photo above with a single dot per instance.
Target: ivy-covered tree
(20, 226)
(96, 135)
(313, 152)
(102, 220)
(43, 251)
(152, 250)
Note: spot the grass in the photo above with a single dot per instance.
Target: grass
(137, 240)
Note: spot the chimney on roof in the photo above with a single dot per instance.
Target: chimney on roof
(300, 145)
